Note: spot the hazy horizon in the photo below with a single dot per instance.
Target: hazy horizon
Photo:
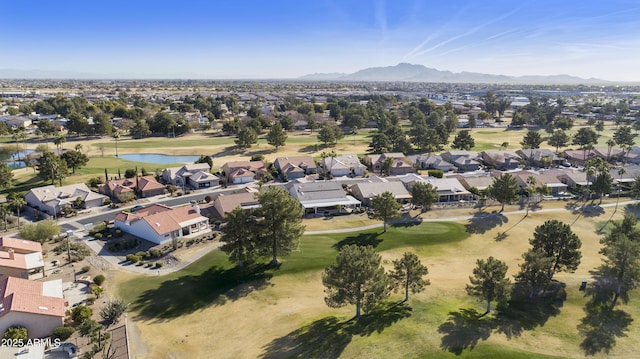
(289, 39)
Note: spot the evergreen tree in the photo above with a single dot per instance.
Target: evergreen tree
(463, 141)
(240, 237)
(504, 189)
(489, 281)
(280, 217)
(356, 278)
(408, 273)
(276, 136)
(385, 207)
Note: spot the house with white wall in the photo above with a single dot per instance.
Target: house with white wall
(159, 224)
(51, 199)
(37, 306)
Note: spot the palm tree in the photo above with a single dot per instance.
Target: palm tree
(58, 141)
(5, 211)
(590, 170)
(17, 199)
(531, 186)
(18, 136)
(116, 136)
(621, 171)
(610, 144)
(324, 156)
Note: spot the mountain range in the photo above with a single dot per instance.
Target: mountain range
(404, 72)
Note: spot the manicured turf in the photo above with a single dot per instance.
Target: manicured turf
(204, 281)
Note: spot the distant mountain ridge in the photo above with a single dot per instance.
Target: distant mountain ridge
(419, 73)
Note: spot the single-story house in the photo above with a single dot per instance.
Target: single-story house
(320, 195)
(20, 258)
(448, 188)
(376, 161)
(179, 176)
(295, 166)
(431, 162)
(579, 157)
(290, 171)
(547, 178)
(149, 187)
(202, 179)
(626, 179)
(464, 161)
(340, 166)
(633, 156)
(237, 172)
(246, 199)
(38, 306)
(540, 157)
(501, 160)
(481, 183)
(15, 122)
(574, 179)
(365, 191)
(610, 153)
(52, 200)
(145, 186)
(158, 223)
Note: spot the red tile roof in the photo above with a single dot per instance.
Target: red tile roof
(26, 296)
(20, 244)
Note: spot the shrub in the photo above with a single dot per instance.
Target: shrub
(99, 279)
(63, 333)
(133, 258)
(208, 198)
(98, 235)
(16, 332)
(78, 250)
(155, 253)
(159, 264)
(40, 231)
(129, 173)
(436, 173)
(98, 227)
(141, 254)
(85, 269)
(107, 201)
(112, 311)
(91, 300)
(81, 313)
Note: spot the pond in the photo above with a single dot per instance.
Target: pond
(158, 158)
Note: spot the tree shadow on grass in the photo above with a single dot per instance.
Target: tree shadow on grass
(465, 328)
(602, 324)
(328, 337)
(189, 293)
(361, 239)
(308, 149)
(592, 211)
(632, 209)
(482, 222)
(406, 221)
(527, 313)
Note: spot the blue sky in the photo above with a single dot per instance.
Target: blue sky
(284, 39)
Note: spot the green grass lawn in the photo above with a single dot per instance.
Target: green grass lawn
(212, 279)
(436, 326)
